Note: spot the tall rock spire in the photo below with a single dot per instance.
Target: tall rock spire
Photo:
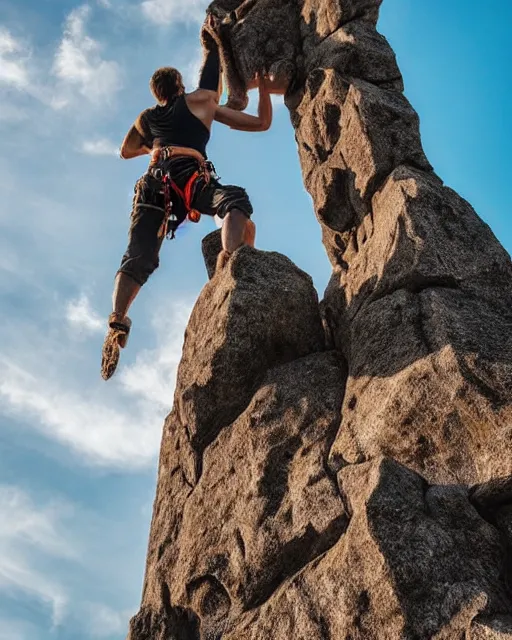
(341, 470)
(420, 300)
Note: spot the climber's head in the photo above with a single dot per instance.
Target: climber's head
(166, 83)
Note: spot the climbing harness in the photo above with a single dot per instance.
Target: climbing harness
(205, 171)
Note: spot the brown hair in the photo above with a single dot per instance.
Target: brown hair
(166, 83)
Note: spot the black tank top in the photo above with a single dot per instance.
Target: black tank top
(173, 124)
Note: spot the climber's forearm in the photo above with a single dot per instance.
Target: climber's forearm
(133, 145)
(244, 121)
(239, 120)
(264, 106)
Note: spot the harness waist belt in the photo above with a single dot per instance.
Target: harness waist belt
(164, 153)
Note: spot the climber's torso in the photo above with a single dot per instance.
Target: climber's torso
(185, 122)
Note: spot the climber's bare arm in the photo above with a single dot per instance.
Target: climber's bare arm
(134, 145)
(244, 121)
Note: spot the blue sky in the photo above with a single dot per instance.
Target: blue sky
(78, 456)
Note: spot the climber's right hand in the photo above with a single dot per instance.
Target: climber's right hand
(210, 29)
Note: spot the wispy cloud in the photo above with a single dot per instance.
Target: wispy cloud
(38, 538)
(80, 315)
(104, 622)
(118, 426)
(165, 12)
(34, 526)
(25, 528)
(100, 147)
(79, 64)
(153, 374)
(102, 432)
(12, 113)
(192, 68)
(277, 101)
(13, 61)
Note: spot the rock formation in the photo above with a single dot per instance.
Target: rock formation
(341, 470)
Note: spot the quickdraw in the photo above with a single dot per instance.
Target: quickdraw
(170, 222)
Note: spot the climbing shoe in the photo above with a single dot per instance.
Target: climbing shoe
(116, 339)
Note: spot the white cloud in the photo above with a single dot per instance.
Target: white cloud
(100, 147)
(277, 101)
(9, 261)
(37, 538)
(80, 315)
(34, 526)
(153, 375)
(192, 68)
(103, 433)
(16, 576)
(79, 64)
(13, 61)
(103, 621)
(164, 12)
(118, 425)
(28, 529)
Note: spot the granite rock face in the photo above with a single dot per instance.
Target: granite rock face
(420, 300)
(415, 562)
(245, 497)
(341, 470)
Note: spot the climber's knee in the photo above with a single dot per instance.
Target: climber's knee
(225, 199)
(141, 258)
(139, 267)
(233, 230)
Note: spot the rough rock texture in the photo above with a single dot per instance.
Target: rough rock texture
(250, 47)
(254, 329)
(415, 562)
(342, 470)
(247, 414)
(498, 628)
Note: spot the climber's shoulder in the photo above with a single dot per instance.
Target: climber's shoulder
(202, 96)
(202, 104)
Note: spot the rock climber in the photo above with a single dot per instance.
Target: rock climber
(180, 182)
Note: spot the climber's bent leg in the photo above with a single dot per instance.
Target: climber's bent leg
(141, 258)
(237, 230)
(233, 230)
(138, 263)
(125, 292)
(231, 204)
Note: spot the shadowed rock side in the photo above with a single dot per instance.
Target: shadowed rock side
(343, 470)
